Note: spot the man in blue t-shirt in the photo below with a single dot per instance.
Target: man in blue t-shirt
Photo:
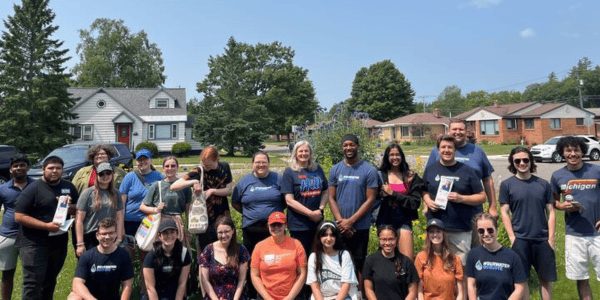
(103, 269)
(531, 230)
(353, 187)
(577, 182)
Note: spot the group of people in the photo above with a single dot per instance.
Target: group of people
(461, 258)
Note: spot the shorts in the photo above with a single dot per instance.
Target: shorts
(131, 227)
(460, 243)
(540, 255)
(8, 254)
(578, 250)
(357, 246)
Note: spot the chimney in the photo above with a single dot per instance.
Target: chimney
(496, 103)
(437, 113)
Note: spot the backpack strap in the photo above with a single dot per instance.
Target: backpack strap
(183, 253)
(140, 177)
(340, 257)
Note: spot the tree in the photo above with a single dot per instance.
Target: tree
(113, 57)
(381, 91)
(34, 100)
(450, 101)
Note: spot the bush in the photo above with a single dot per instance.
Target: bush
(406, 143)
(148, 145)
(181, 148)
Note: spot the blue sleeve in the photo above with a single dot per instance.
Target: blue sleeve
(188, 259)
(127, 272)
(333, 176)
(469, 272)
(287, 182)
(372, 178)
(504, 198)
(433, 156)
(236, 196)
(548, 193)
(554, 184)
(475, 182)
(518, 271)
(126, 184)
(148, 260)
(322, 175)
(486, 167)
(82, 270)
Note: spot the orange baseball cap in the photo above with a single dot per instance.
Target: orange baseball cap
(277, 217)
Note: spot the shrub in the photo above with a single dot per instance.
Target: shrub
(406, 143)
(181, 148)
(148, 145)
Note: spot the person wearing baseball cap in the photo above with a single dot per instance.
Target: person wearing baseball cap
(278, 264)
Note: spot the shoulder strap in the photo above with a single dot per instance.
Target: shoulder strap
(140, 177)
(183, 253)
(340, 257)
(159, 192)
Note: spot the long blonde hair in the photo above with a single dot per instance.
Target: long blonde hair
(311, 162)
(97, 202)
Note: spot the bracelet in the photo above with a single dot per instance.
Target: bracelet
(80, 244)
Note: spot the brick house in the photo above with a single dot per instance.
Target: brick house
(414, 127)
(527, 122)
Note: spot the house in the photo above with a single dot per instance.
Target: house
(416, 126)
(527, 122)
(131, 116)
(596, 112)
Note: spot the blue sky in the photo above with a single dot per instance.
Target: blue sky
(487, 45)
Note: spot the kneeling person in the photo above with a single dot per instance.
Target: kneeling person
(102, 269)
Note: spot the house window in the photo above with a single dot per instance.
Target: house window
(529, 124)
(162, 131)
(489, 127)
(405, 131)
(555, 123)
(512, 124)
(83, 132)
(579, 121)
(162, 103)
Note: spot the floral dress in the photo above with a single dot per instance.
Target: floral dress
(224, 280)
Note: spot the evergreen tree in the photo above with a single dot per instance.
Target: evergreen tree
(33, 83)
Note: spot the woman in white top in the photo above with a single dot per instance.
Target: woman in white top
(330, 268)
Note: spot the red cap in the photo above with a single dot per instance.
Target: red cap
(277, 217)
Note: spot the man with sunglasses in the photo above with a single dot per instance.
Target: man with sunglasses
(578, 184)
(529, 200)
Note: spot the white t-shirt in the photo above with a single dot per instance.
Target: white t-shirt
(333, 274)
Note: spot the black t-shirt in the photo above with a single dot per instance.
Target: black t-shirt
(103, 273)
(495, 272)
(39, 201)
(382, 272)
(165, 280)
(214, 179)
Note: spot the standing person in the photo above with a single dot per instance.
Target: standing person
(578, 183)
(440, 271)
(493, 271)
(278, 264)
(305, 188)
(353, 187)
(531, 229)
(95, 204)
(42, 254)
(331, 273)
(9, 192)
(401, 192)
(388, 273)
(224, 264)
(167, 266)
(218, 185)
(103, 269)
(474, 157)
(86, 176)
(174, 204)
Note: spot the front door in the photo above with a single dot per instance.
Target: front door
(123, 133)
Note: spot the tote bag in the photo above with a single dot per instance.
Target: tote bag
(146, 233)
(198, 217)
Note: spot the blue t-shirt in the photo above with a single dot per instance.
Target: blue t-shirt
(136, 192)
(103, 273)
(471, 155)
(259, 197)
(583, 186)
(456, 216)
(8, 196)
(307, 188)
(496, 273)
(527, 200)
(351, 185)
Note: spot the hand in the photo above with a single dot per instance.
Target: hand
(52, 226)
(197, 189)
(551, 243)
(512, 240)
(315, 216)
(386, 190)
(568, 206)
(160, 207)
(79, 251)
(425, 209)
(345, 225)
(454, 197)
(431, 205)
(494, 212)
(209, 193)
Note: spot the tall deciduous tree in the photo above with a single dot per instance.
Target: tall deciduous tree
(111, 56)
(381, 91)
(33, 82)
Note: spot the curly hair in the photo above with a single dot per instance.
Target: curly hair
(571, 141)
(93, 151)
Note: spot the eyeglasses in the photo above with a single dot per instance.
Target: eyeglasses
(106, 173)
(519, 160)
(276, 224)
(390, 240)
(224, 232)
(261, 163)
(490, 230)
(106, 233)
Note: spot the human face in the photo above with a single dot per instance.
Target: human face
(260, 166)
(210, 165)
(435, 235)
(524, 166)
(459, 132)
(303, 155)
(106, 236)
(100, 157)
(170, 168)
(168, 238)
(350, 149)
(328, 240)
(143, 163)
(19, 170)
(52, 173)
(387, 241)
(394, 158)
(277, 230)
(573, 155)
(224, 234)
(447, 151)
(105, 177)
(487, 231)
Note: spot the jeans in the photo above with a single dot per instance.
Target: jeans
(41, 266)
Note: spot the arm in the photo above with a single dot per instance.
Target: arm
(241, 281)
(505, 209)
(237, 206)
(300, 281)
(370, 293)
(150, 210)
(124, 199)
(473, 200)
(258, 285)
(210, 291)
(362, 210)
(472, 288)
(412, 291)
(224, 192)
(313, 215)
(333, 205)
(32, 222)
(127, 287)
(519, 292)
(343, 293)
(420, 295)
(81, 290)
(566, 205)
(316, 291)
(185, 272)
(490, 191)
(429, 202)
(149, 280)
(459, 288)
(181, 184)
(79, 233)
(121, 225)
(551, 224)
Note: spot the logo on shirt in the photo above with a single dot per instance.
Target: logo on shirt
(579, 184)
(106, 268)
(453, 178)
(327, 274)
(301, 176)
(65, 191)
(348, 178)
(260, 188)
(275, 258)
(492, 266)
(167, 269)
(461, 159)
(311, 187)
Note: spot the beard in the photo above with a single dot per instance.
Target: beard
(51, 182)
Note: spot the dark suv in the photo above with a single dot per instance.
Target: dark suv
(75, 158)
(6, 152)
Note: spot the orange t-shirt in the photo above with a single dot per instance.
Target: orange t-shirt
(438, 283)
(277, 264)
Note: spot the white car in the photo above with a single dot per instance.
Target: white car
(547, 150)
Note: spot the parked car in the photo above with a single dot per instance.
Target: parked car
(6, 152)
(547, 150)
(75, 158)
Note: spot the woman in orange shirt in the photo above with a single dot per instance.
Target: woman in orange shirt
(440, 271)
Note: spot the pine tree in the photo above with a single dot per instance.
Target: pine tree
(34, 102)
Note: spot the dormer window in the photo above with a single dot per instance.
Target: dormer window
(162, 103)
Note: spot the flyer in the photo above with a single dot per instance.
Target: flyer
(441, 197)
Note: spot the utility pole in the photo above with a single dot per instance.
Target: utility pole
(579, 86)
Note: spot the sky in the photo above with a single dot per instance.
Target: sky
(489, 45)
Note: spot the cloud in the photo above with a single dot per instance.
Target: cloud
(527, 33)
(483, 3)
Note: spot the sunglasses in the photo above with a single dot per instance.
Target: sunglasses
(490, 231)
(519, 160)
